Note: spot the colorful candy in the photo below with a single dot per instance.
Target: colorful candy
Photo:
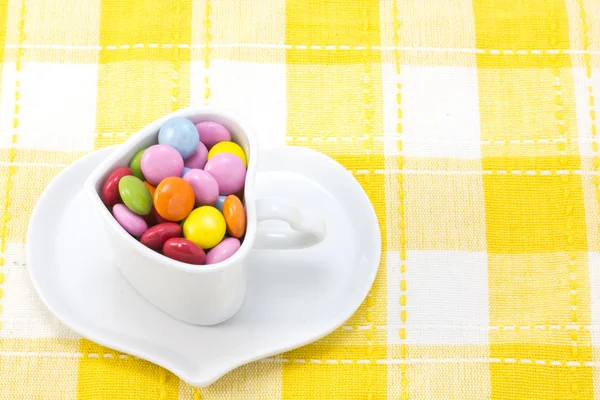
(183, 196)
(130, 221)
(223, 250)
(235, 216)
(229, 172)
(228, 147)
(205, 226)
(183, 250)
(161, 161)
(219, 203)
(212, 133)
(174, 198)
(181, 134)
(156, 236)
(110, 191)
(198, 159)
(135, 165)
(206, 189)
(135, 195)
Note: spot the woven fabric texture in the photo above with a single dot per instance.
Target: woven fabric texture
(472, 126)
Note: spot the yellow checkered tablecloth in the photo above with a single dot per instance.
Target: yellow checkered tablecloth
(472, 125)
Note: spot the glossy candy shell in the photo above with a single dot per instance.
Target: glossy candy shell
(205, 226)
(160, 162)
(135, 165)
(198, 159)
(156, 236)
(110, 190)
(228, 147)
(174, 198)
(130, 221)
(135, 195)
(223, 250)
(183, 250)
(206, 188)
(181, 134)
(212, 133)
(229, 172)
(235, 216)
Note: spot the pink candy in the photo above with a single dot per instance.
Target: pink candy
(229, 172)
(212, 133)
(159, 162)
(205, 187)
(198, 158)
(130, 221)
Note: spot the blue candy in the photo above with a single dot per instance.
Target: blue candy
(185, 170)
(219, 203)
(181, 134)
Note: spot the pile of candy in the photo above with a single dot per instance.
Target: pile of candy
(182, 196)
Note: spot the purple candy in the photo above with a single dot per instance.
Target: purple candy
(205, 187)
(130, 221)
(212, 133)
(228, 170)
(198, 159)
(223, 250)
(161, 161)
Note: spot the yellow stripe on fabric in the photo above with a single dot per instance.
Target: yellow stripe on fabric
(151, 77)
(535, 223)
(12, 168)
(505, 28)
(337, 94)
(115, 377)
(4, 173)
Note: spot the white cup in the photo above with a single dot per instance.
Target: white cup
(207, 294)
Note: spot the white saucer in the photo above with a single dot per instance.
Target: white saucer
(294, 297)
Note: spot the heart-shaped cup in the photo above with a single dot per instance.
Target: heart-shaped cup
(206, 294)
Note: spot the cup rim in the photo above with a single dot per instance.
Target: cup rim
(197, 114)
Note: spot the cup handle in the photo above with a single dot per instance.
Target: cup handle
(306, 229)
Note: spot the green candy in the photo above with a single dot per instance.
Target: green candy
(136, 165)
(135, 195)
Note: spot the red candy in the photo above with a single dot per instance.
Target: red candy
(156, 236)
(110, 191)
(183, 250)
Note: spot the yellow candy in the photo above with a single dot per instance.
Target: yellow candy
(205, 226)
(228, 147)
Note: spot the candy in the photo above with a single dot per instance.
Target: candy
(223, 250)
(150, 188)
(229, 172)
(110, 191)
(181, 134)
(131, 222)
(235, 216)
(205, 226)
(157, 217)
(174, 198)
(156, 236)
(135, 195)
(219, 203)
(228, 147)
(205, 187)
(183, 195)
(183, 250)
(212, 133)
(159, 162)
(135, 165)
(198, 159)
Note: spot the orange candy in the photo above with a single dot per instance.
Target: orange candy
(150, 188)
(235, 216)
(174, 198)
